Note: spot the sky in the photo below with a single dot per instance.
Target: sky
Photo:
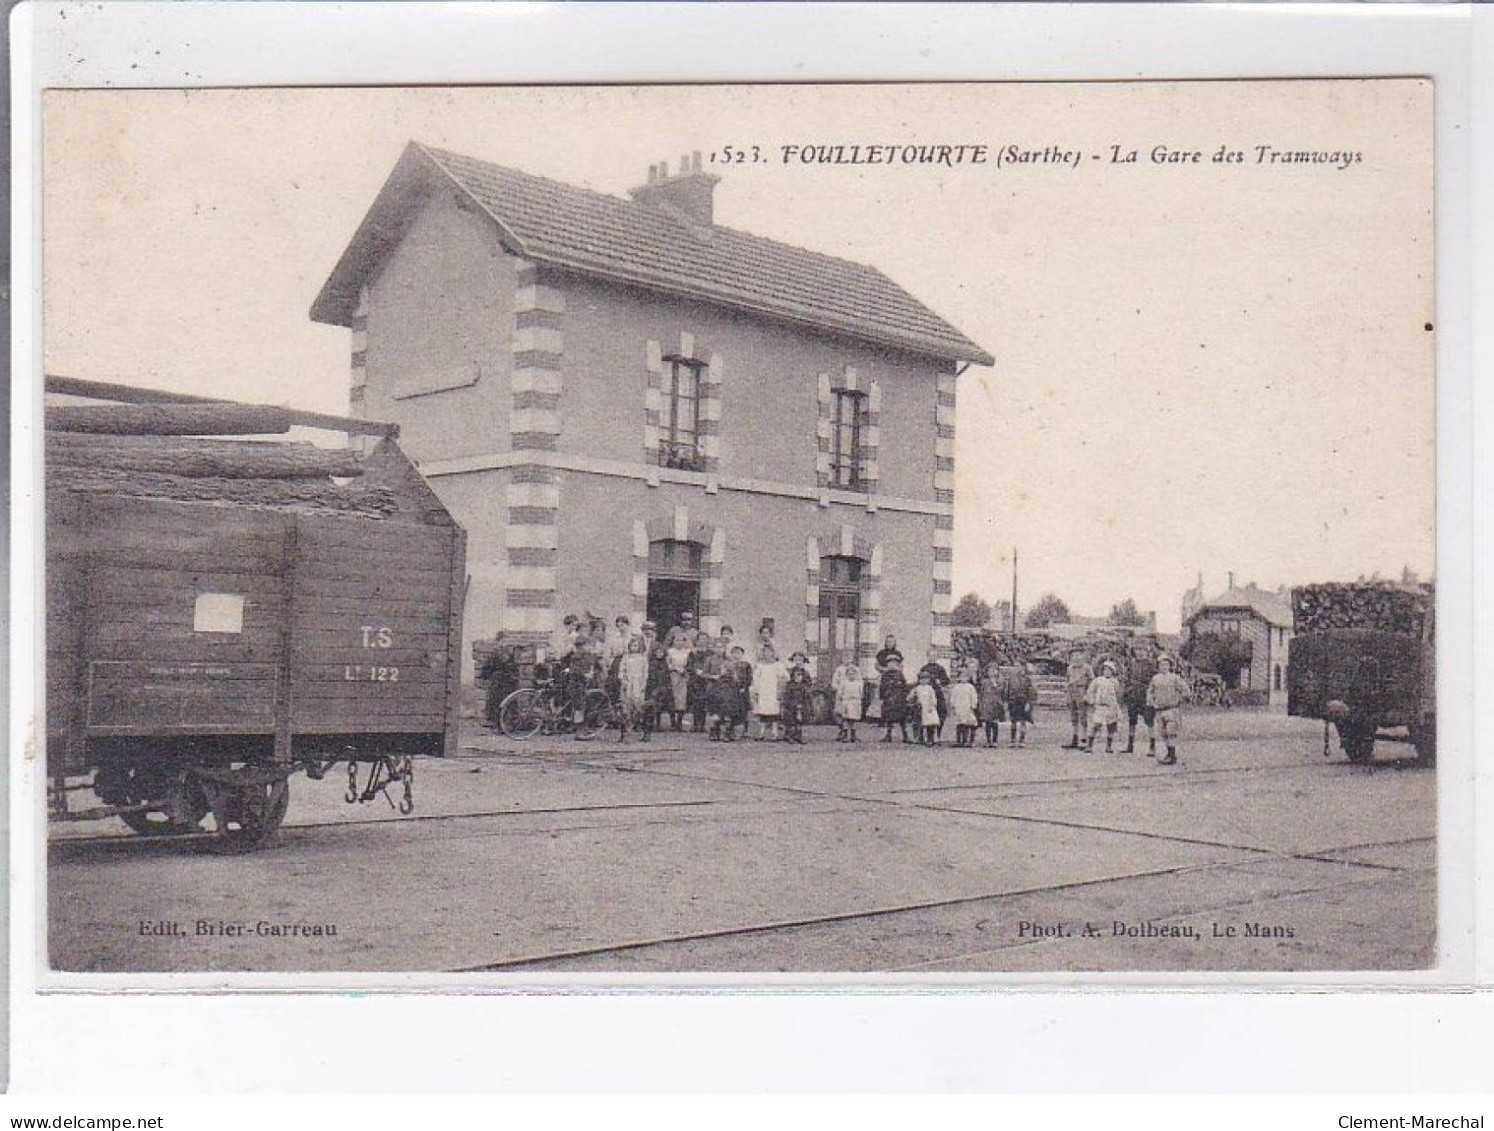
(1201, 367)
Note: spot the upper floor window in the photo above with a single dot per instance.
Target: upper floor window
(847, 448)
(1230, 625)
(679, 417)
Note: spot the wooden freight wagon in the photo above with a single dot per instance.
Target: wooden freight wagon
(1364, 658)
(224, 613)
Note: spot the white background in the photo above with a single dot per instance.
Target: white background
(1009, 1040)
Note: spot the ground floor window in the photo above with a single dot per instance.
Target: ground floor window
(840, 612)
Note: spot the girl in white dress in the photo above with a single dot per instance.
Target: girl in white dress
(925, 703)
(1103, 698)
(848, 686)
(963, 700)
(632, 684)
(768, 677)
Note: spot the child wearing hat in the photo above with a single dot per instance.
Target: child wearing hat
(1020, 693)
(796, 698)
(1103, 700)
(1080, 678)
(894, 688)
(657, 695)
(1165, 694)
(963, 700)
(989, 707)
(925, 702)
(736, 682)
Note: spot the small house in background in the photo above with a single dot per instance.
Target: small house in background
(633, 408)
(1261, 616)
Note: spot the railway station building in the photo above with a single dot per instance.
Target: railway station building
(1261, 616)
(633, 409)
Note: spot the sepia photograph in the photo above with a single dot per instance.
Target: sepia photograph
(917, 531)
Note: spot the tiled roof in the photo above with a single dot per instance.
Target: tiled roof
(596, 234)
(1273, 608)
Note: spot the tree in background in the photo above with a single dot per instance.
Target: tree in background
(1048, 610)
(1126, 614)
(970, 612)
(1226, 654)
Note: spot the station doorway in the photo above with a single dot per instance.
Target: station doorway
(840, 613)
(675, 571)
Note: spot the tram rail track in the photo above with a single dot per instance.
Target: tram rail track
(849, 916)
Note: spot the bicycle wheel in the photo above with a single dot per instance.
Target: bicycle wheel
(521, 714)
(596, 711)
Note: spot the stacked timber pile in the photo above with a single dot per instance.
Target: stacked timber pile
(1034, 645)
(1383, 605)
(162, 450)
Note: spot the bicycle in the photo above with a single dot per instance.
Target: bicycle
(546, 708)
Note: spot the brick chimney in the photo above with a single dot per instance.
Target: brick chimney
(688, 193)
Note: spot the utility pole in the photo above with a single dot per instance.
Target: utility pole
(1014, 589)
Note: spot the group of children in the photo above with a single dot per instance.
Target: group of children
(1151, 691)
(709, 680)
(975, 699)
(688, 674)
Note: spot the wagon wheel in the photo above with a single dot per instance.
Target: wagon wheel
(247, 804)
(181, 811)
(1358, 741)
(1424, 737)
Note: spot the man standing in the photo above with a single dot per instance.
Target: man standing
(563, 640)
(1165, 695)
(1081, 675)
(682, 633)
(1133, 696)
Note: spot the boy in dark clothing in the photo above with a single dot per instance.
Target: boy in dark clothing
(894, 696)
(1019, 693)
(992, 706)
(697, 694)
(656, 694)
(796, 702)
(501, 670)
(737, 679)
(1138, 679)
(718, 690)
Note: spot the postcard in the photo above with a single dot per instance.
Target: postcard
(911, 533)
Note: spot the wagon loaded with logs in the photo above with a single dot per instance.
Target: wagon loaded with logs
(223, 613)
(1364, 659)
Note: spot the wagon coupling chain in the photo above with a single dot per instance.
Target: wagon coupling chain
(383, 772)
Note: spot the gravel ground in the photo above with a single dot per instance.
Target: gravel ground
(683, 855)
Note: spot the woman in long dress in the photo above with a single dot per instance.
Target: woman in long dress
(679, 680)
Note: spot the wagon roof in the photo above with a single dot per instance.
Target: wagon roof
(386, 488)
(596, 234)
